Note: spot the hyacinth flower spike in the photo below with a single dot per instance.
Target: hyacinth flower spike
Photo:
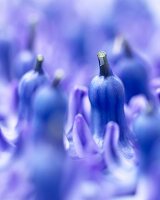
(41, 168)
(134, 73)
(106, 94)
(48, 156)
(28, 85)
(78, 104)
(50, 109)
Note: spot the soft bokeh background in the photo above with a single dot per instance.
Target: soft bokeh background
(69, 33)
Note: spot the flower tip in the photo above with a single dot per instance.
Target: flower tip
(101, 54)
(40, 58)
(58, 76)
